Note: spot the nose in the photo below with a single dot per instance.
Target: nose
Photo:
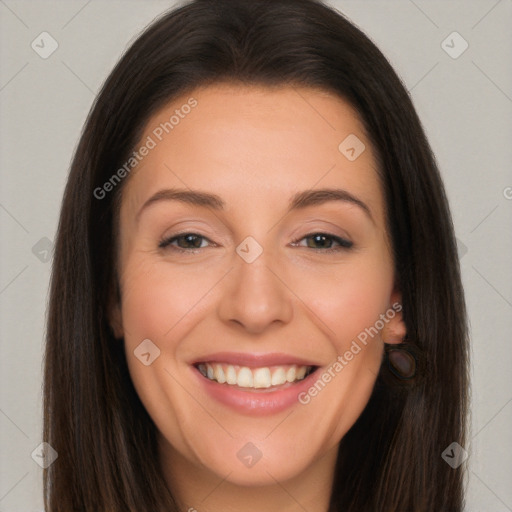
(256, 296)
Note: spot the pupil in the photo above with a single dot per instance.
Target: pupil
(193, 240)
(321, 240)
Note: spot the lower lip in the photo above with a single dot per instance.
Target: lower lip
(254, 401)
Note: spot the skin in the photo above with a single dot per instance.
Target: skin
(254, 147)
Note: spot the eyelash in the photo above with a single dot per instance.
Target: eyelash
(344, 244)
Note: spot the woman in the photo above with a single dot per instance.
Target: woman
(256, 301)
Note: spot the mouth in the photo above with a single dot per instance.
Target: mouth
(263, 378)
(254, 384)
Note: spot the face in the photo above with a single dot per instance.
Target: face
(256, 278)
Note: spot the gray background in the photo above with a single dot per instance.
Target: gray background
(465, 104)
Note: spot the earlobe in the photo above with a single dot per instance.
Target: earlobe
(399, 354)
(394, 330)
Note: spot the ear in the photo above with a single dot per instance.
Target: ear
(394, 330)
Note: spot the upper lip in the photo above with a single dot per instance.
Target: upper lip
(254, 360)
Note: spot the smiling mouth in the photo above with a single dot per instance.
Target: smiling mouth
(265, 378)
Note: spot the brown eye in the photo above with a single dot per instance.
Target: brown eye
(319, 241)
(325, 241)
(184, 241)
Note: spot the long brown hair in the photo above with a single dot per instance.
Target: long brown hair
(390, 460)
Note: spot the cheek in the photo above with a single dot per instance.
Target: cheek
(159, 306)
(158, 302)
(350, 299)
(162, 306)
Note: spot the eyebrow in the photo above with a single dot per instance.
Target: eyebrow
(299, 201)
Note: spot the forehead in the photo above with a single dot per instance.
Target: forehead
(244, 141)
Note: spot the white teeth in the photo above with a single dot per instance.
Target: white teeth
(262, 378)
(218, 373)
(301, 372)
(278, 377)
(246, 377)
(291, 373)
(230, 375)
